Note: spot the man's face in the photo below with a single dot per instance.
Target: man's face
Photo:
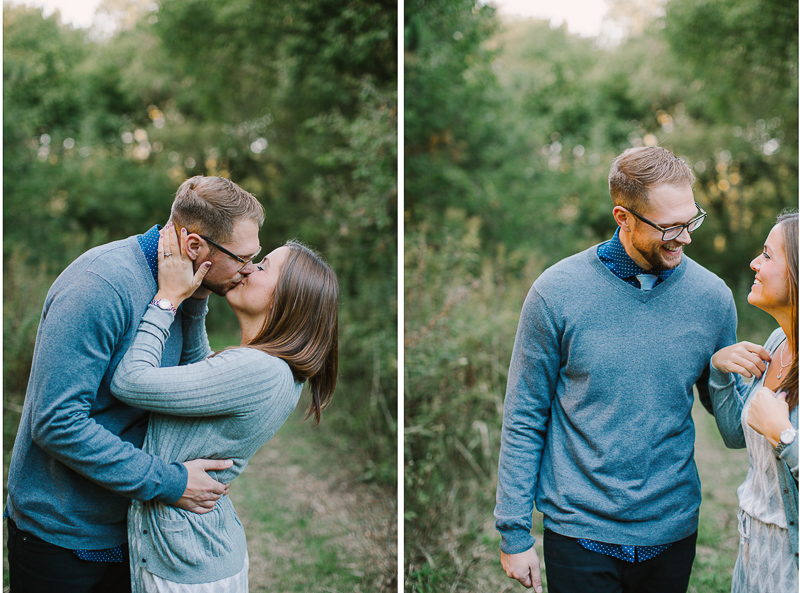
(668, 205)
(225, 273)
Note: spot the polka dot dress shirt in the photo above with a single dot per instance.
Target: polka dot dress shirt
(626, 553)
(616, 259)
(149, 244)
(118, 554)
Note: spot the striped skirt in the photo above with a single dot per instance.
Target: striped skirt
(766, 563)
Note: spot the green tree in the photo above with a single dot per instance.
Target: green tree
(295, 102)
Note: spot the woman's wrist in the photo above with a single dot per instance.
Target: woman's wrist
(171, 297)
(772, 429)
(774, 437)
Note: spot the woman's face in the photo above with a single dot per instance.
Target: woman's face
(253, 295)
(770, 290)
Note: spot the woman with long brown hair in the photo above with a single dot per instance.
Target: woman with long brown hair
(762, 416)
(226, 406)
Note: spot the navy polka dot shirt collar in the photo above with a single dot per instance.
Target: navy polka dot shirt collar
(149, 244)
(616, 259)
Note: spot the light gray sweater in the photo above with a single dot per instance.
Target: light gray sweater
(597, 425)
(225, 407)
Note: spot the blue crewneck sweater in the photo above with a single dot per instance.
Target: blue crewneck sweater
(77, 460)
(597, 426)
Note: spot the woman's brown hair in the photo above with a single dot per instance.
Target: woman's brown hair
(788, 222)
(302, 326)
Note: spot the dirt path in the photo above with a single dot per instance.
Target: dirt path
(310, 524)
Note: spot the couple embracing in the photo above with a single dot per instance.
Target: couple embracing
(133, 428)
(597, 426)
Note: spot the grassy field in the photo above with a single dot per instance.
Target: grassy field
(473, 544)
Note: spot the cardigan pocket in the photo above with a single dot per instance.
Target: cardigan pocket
(176, 542)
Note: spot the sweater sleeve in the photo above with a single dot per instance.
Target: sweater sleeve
(75, 344)
(728, 394)
(532, 377)
(195, 338)
(789, 456)
(726, 337)
(234, 381)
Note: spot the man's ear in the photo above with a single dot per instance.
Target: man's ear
(622, 217)
(194, 246)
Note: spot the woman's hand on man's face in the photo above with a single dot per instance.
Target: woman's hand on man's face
(177, 279)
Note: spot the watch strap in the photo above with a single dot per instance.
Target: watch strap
(786, 441)
(159, 302)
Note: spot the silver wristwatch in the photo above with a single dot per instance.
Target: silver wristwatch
(164, 305)
(787, 438)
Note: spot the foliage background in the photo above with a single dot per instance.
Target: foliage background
(294, 101)
(510, 129)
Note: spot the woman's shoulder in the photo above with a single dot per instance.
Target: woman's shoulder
(774, 340)
(258, 361)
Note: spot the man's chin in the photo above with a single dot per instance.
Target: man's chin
(668, 262)
(218, 289)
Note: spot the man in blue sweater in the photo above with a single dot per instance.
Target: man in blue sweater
(77, 461)
(597, 426)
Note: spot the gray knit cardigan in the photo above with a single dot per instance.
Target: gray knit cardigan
(224, 407)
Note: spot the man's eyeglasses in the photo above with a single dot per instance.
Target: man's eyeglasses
(244, 262)
(671, 233)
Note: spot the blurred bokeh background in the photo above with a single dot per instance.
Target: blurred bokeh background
(511, 125)
(294, 101)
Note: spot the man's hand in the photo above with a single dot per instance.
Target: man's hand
(524, 567)
(202, 491)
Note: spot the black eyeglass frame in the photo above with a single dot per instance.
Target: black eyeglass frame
(244, 262)
(697, 219)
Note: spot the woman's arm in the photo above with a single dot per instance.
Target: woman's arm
(728, 394)
(769, 416)
(789, 456)
(195, 338)
(234, 381)
(727, 389)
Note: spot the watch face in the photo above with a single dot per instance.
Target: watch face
(787, 436)
(163, 304)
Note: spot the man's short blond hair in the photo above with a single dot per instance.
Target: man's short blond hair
(637, 170)
(211, 206)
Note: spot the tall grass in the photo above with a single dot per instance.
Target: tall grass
(460, 319)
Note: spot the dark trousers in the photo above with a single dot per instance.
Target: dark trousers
(35, 566)
(571, 568)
